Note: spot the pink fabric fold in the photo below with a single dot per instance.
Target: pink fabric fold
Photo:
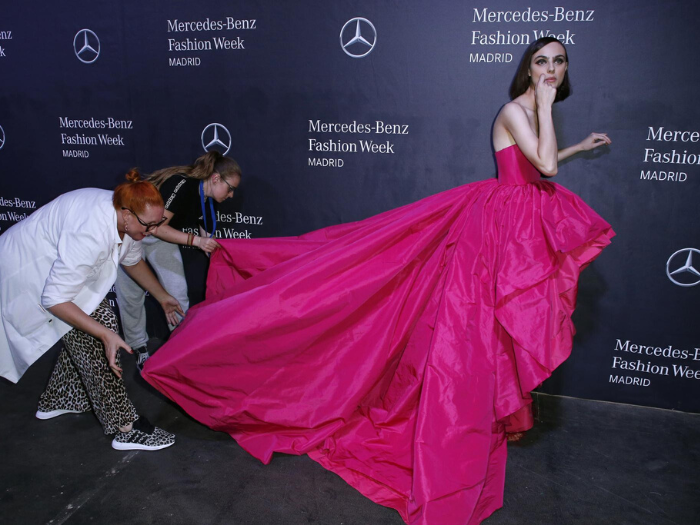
(393, 351)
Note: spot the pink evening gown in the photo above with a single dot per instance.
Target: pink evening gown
(394, 351)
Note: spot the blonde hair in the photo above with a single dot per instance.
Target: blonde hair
(202, 169)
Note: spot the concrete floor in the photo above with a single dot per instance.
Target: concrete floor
(585, 462)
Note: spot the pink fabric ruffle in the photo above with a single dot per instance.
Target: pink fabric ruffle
(395, 350)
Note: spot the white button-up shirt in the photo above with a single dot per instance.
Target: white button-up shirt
(68, 250)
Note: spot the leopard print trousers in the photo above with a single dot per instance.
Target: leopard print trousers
(82, 379)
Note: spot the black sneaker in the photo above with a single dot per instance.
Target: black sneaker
(143, 436)
(141, 355)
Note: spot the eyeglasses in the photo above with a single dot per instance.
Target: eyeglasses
(232, 189)
(149, 226)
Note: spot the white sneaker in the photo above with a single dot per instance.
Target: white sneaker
(55, 413)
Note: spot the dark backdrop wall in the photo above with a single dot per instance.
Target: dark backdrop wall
(339, 110)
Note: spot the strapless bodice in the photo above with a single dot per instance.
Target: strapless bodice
(514, 168)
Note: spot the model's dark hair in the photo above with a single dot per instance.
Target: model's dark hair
(522, 79)
(202, 169)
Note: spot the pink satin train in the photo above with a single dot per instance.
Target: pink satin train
(394, 351)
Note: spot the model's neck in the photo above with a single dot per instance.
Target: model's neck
(528, 99)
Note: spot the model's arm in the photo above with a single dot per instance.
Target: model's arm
(540, 150)
(547, 140)
(592, 141)
(167, 233)
(142, 274)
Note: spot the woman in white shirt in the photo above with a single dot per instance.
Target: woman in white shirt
(56, 268)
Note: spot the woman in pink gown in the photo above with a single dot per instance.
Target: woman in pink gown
(396, 351)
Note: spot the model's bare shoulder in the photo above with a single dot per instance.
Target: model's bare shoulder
(513, 112)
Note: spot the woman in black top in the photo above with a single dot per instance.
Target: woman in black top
(188, 193)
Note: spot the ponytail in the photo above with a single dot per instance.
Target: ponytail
(202, 169)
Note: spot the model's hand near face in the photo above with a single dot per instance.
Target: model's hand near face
(545, 93)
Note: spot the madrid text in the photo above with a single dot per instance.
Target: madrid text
(216, 43)
(88, 139)
(78, 139)
(499, 38)
(677, 157)
(328, 145)
(558, 14)
(645, 366)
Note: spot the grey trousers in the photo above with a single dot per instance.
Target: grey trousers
(166, 260)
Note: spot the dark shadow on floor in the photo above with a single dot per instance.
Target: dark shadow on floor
(585, 462)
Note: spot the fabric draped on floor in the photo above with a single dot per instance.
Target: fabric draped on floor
(395, 350)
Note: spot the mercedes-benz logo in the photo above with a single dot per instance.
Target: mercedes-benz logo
(685, 274)
(216, 136)
(358, 37)
(86, 46)
(2, 137)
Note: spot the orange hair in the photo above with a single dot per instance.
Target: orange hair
(136, 194)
